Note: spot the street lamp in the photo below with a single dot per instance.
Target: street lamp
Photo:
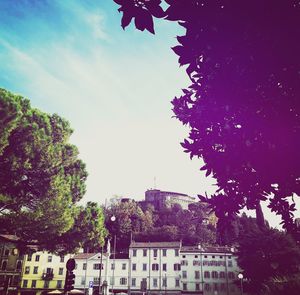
(240, 276)
(113, 219)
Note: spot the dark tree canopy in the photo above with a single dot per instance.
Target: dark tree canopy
(242, 106)
(41, 176)
(267, 256)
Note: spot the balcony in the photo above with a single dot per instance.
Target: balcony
(47, 276)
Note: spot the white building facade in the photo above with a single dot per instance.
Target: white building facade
(161, 268)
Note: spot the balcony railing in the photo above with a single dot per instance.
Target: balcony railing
(47, 276)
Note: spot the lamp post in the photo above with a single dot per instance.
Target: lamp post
(113, 219)
(240, 276)
(165, 283)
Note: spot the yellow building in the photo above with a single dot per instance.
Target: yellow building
(43, 272)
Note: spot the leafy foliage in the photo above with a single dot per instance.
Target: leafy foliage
(166, 224)
(242, 106)
(267, 256)
(41, 177)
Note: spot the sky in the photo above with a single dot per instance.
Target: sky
(72, 58)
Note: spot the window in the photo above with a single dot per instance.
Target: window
(62, 259)
(221, 257)
(231, 275)
(46, 284)
(35, 269)
(197, 287)
(154, 252)
(4, 265)
(49, 270)
(84, 266)
(205, 256)
(82, 280)
(222, 287)
(177, 266)
(155, 282)
(164, 252)
(207, 274)
(229, 257)
(19, 265)
(25, 283)
(196, 256)
(123, 281)
(216, 286)
(97, 266)
(183, 256)
(134, 266)
(134, 252)
(123, 266)
(6, 252)
(214, 274)
(176, 252)
(59, 284)
(184, 274)
(49, 258)
(222, 275)
(164, 267)
(177, 282)
(29, 257)
(184, 262)
(184, 286)
(133, 282)
(164, 282)
(61, 271)
(144, 266)
(155, 267)
(96, 280)
(33, 284)
(27, 270)
(112, 266)
(37, 257)
(207, 287)
(144, 252)
(197, 274)
(213, 256)
(230, 263)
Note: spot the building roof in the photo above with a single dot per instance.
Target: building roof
(155, 244)
(207, 249)
(119, 256)
(84, 255)
(12, 238)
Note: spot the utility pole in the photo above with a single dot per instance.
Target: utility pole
(100, 270)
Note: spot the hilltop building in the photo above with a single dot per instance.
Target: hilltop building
(160, 199)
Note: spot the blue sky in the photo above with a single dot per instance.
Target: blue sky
(72, 57)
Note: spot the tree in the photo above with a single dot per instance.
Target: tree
(41, 177)
(242, 105)
(130, 220)
(267, 254)
(88, 231)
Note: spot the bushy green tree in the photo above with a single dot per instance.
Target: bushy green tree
(41, 176)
